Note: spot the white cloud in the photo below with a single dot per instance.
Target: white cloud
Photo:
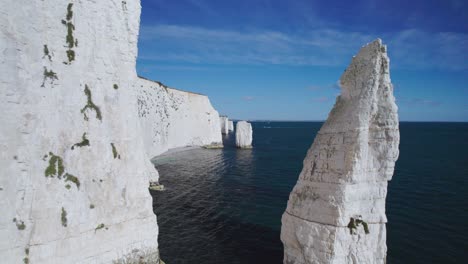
(410, 48)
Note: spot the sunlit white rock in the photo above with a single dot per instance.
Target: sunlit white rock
(224, 124)
(336, 211)
(74, 172)
(172, 118)
(243, 134)
(231, 126)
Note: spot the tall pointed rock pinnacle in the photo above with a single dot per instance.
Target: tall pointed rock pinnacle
(336, 211)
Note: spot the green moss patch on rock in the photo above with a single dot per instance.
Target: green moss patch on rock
(19, 224)
(70, 39)
(47, 53)
(26, 258)
(90, 105)
(71, 178)
(355, 223)
(114, 152)
(49, 75)
(100, 226)
(84, 142)
(63, 217)
(55, 167)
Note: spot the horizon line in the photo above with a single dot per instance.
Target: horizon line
(305, 120)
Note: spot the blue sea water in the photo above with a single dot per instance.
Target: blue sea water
(225, 205)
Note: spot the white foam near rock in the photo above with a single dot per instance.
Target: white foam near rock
(243, 134)
(230, 126)
(171, 118)
(74, 173)
(336, 211)
(224, 123)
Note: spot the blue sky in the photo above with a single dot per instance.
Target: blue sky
(280, 60)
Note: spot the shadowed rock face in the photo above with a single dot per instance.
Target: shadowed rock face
(74, 173)
(336, 211)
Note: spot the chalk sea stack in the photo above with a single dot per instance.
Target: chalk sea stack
(231, 126)
(224, 122)
(336, 211)
(243, 134)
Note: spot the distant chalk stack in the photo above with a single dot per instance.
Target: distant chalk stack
(224, 121)
(243, 134)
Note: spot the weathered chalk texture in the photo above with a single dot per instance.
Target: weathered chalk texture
(74, 172)
(336, 211)
(224, 124)
(244, 134)
(172, 118)
(230, 126)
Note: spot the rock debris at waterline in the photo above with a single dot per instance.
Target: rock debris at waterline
(243, 134)
(336, 211)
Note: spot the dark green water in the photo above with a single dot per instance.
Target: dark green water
(225, 206)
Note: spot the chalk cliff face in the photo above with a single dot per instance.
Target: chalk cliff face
(172, 118)
(74, 173)
(336, 211)
(224, 124)
(243, 134)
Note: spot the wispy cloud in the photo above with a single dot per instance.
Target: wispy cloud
(419, 101)
(418, 49)
(248, 98)
(410, 48)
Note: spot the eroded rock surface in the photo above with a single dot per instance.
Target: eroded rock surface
(224, 123)
(336, 211)
(243, 134)
(171, 118)
(231, 126)
(74, 173)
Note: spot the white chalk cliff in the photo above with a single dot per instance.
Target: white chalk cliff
(172, 118)
(230, 126)
(336, 211)
(74, 172)
(243, 134)
(224, 124)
